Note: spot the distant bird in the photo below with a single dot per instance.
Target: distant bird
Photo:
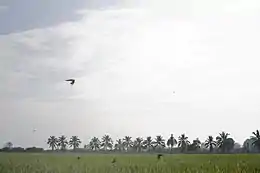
(78, 157)
(34, 130)
(72, 81)
(159, 156)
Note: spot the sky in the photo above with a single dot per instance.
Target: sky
(128, 57)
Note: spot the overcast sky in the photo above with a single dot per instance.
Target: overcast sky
(128, 57)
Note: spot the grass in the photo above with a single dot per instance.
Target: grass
(65, 163)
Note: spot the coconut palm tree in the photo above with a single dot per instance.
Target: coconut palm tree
(52, 142)
(171, 142)
(159, 142)
(195, 145)
(183, 142)
(107, 142)
(127, 142)
(223, 136)
(74, 142)
(94, 144)
(256, 139)
(148, 143)
(210, 143)
(119, 145)
(229, 144)
(138, 144)
(9, 145)
(62, 142)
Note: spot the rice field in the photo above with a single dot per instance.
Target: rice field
(66, 163)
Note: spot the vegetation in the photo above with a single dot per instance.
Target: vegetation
(52, 142)
(171, 142)
(135, 163)
(183, 142)
(256, 139)
(223, 143)
(210, 143)
(62, 142)
(74, 142)
(11, 163)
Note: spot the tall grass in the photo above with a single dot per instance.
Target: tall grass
(48, 163)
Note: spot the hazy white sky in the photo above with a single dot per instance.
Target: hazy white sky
(128, 57)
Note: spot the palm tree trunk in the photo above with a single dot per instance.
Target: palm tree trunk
(210, 148)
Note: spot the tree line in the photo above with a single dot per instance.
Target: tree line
(223, 143)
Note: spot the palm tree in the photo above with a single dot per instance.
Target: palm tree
(183, 142)
(138, 144)
(159, 142)
(171, 142)
(52, 142)
(195, 145)
(256, 139)
(210, 143)
(62, 142)
(148, 143)
(94, 143)
(223, 136)
(74, 142)
(119, 145)
(107, 142)
(9, 145)
(127, 142)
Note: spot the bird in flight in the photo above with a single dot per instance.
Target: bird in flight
(72, 81)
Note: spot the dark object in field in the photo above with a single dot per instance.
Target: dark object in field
(72, 81)
(78, 157)
(114, 160)
(159, 156)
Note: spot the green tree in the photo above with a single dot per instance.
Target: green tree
(210, 143)
(171, 142)
(138, 144)
(62, 142)
(119, 145)
(9, 145)
(256, 139)
(52, 142)
(195, 145)
(159, 142)
(128, 143)
(229, 144)
(94, 144)
(74, 142)
(148, 143)
(183, 142)
(221, 141)
(106, 142)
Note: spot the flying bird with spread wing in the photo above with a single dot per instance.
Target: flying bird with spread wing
(72, 81)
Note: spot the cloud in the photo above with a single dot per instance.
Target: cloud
(127, 61)
(40, 59)
(3, 8)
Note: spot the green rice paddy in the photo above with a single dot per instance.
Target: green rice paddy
(68, 163)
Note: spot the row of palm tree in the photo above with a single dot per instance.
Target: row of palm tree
(62, 142)
(222, 143)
